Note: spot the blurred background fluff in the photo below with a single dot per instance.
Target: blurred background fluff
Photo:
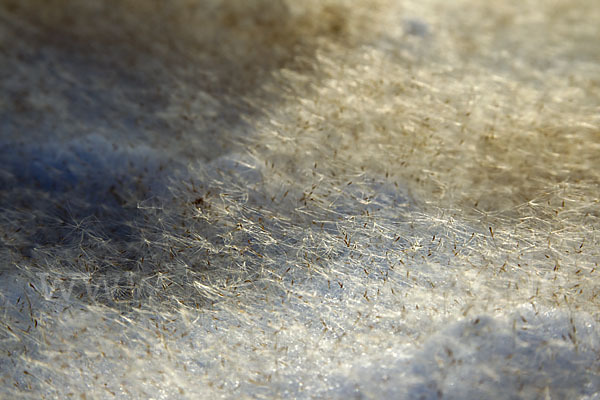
(316, 199)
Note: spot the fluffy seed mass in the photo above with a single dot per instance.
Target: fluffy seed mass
(317, 199)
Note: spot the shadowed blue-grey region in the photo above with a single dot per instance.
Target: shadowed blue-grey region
(326, 199)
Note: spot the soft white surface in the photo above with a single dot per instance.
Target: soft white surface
(319, 199)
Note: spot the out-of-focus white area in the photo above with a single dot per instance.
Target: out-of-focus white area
(319, 199)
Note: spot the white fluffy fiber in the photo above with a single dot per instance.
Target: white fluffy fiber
(283, 199)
